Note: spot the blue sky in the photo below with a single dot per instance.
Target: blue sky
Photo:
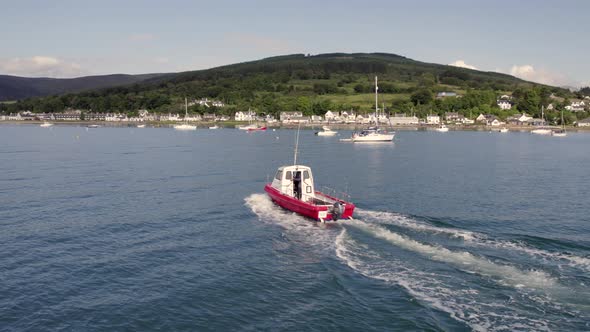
(544, 41)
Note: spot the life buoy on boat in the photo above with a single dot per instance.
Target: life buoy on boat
(337, 211)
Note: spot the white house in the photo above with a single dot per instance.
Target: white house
(331, 116)
(495, 123)
(348, 117)
(286, 116)
(433, 119)
(297, 119)
(169, 117)
(402, 119)
(193, 117)
(504, 104)
(584, 123)
(245, 116)
(481, 118)
(453, 117)
(316, 118)
(576, 106)
(445, 94)
(14, 117)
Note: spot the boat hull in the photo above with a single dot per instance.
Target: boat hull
(306, 209)
(257, 129)
(376, 138)
(541, 131)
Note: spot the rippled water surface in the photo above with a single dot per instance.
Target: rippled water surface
(154, 229)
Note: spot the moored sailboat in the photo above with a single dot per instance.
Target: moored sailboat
(560, 132)
(185, 125)
(372, 134)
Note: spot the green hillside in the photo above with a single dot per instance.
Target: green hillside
(313, 85)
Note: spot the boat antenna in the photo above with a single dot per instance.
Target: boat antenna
(296, 144)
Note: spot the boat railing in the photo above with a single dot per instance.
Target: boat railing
(334, 193)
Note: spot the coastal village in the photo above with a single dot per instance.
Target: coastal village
(350, 117)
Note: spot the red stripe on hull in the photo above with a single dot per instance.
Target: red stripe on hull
(306, 209)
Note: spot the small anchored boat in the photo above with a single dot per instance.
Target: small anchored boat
(46, 124)
(326, 131)
(293, 189)
(257, 128)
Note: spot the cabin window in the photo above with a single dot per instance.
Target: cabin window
(305, 175)
(308, 189)
(288, 175)
(279, 175)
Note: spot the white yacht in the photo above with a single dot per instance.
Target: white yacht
(214, 127)
(185, 125)
(372, 134)
(542, 130)
(503, 130)
(442, 128)
(326, 131)
(141, 126)
(46, 124)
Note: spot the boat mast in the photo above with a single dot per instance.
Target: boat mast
(376, 102)
(562, 123)
(296, 145)
(185, 110)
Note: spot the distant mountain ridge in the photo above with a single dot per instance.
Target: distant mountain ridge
(16, 87)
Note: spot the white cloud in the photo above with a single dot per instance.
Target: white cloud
(39, 66)
(462, 64)
(543, 76)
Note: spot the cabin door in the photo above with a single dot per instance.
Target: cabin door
(297, 185)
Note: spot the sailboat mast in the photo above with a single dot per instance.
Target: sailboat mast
(185, 108)
(376, 100)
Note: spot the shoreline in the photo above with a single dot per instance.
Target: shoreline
(313, 126)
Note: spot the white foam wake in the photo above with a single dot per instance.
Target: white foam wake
(299, 226)
(462, 303)
(475, 238)
(504, 273)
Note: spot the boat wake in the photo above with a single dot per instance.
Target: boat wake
(476, 239)
(295, 224)
(436, 290)
(484, 293)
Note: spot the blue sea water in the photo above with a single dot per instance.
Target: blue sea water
(117, 229)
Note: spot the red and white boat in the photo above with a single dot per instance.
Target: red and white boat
(256, 128)
(293, 189)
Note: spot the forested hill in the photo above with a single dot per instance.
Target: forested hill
(313, 85)
(15, 87)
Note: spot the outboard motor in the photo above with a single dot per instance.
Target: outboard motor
(337, 210)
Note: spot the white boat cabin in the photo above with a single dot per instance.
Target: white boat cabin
(295, 181)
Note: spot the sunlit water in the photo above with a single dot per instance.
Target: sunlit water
(155, 229)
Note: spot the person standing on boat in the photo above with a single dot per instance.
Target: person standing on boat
(297, 185)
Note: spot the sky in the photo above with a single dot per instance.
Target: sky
(542, 41)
